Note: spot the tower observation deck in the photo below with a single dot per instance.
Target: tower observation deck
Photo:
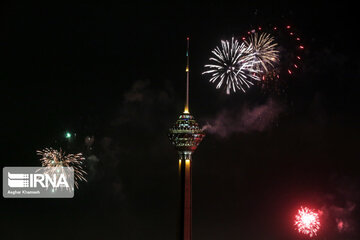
(185, 136)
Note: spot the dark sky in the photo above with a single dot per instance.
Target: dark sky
(116, 72)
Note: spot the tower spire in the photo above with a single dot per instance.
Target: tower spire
(187, 76)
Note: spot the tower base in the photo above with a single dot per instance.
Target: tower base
(185, 215)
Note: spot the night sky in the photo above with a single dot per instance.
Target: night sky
(117, 72)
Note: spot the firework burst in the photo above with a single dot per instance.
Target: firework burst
(264, 49)
(307, 221)
(279, 50)
(232, 65)
(53, 159)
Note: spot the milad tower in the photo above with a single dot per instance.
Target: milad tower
(185, 136)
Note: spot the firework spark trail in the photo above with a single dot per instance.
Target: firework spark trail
(307, 221)
(52, 159)
(233, 66)
(264, 49)
(279, 50)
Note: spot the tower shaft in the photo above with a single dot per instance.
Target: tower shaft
(185, 177)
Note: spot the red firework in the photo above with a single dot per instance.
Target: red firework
(289, 47)
(307, 221)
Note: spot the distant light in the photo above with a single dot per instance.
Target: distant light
(187, 38)
(288, 27)
(298, 39)
(291, 33)
(289, 71)
(67, 135)
(298, 57)
(260, 28)
(301, 47)
(187, 69)
(295, 66)
(275, 28)
(243, 38)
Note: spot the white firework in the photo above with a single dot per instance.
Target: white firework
(53, 160)
(233, 65)
(264, 50)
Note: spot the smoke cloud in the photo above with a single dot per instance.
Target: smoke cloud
(249, 119)
(143, 111)
(341, 206)
(342, 216)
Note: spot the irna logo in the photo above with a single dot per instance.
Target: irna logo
(38, 182)
(18, 180)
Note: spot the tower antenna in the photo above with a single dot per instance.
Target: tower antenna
(187, 76)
